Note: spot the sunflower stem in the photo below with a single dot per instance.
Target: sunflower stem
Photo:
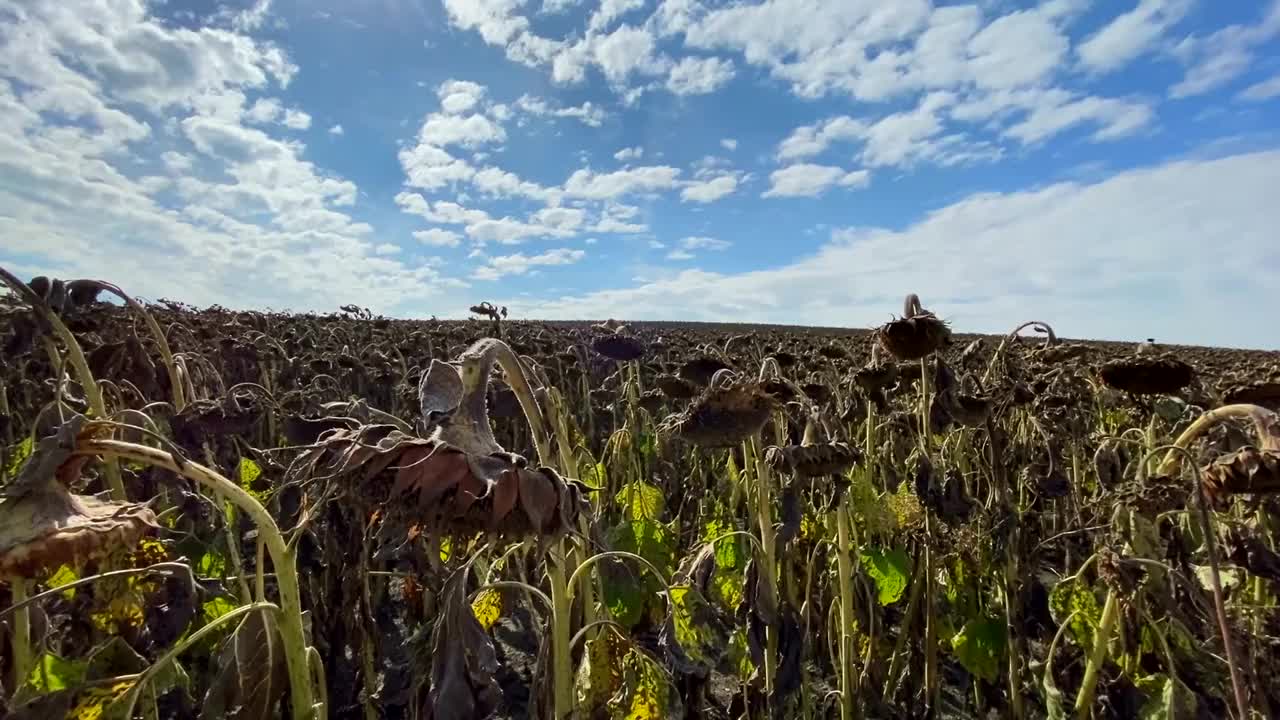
(20, 640)
(292, 635)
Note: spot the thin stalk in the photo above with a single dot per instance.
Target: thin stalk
(561, 608)
(845, 568)
(20, 640)
(764, 493)
(931, 625)
(292, 635)
(162, 343)
(1098, 655)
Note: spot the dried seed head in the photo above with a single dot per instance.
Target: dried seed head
(1147, 375)
(833, 458)
(621, 348)
(914, 336)
(723, 416)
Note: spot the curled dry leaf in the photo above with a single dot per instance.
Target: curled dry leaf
(463, 659)
(44, 525)
(1246, 471)
(439, 488)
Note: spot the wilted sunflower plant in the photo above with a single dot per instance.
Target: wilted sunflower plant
(217, 513)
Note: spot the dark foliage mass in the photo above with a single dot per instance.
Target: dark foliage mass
(500, 518)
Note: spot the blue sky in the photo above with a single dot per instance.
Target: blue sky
(1107, 167)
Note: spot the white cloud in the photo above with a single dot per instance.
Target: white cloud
(600, 186)
(809, 180)
(656, 245)
(1062, 253)
(704, 243)
(809, 140)
(560, 218)
(623, 52)
(520, 264)
(615, 219)
(1114, 118)
(1219, 58)
(459, 96)
(264, 110)
(680, 255)
(296, 119)
(729, 144)
(699, 76)
(587, 113)
(1264, 90)
(253, 223)
(611, 10)
(469, 131)
(709, 189)
(430, 168)
(176, 162)
(336, 130)
(1131, 34)
(502, 183)
(630, 153)
(386, 249)
(438, 237)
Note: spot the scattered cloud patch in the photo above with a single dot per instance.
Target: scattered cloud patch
(810, 180)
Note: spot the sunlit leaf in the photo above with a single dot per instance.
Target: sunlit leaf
(889, 570)
(64, 575)
(1075, 596)
(629, 589)
(211, 564)
(487, 607)
(51, 673)
(979, 646)
(641, 501)
(446, 549)
(100, 702)
(216, 608)
(17, 457)
(599, 673)
(645, 693)
(701, 636)
(248, 472)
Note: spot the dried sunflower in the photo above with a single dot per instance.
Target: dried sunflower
(914, 336)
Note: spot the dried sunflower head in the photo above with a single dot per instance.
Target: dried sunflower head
(915, 335)
(621, 348)
(1147, 374)
(832, 458)
(723, 416)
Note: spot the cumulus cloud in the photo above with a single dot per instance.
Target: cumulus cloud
(1218, 58)
(810, 180)
(586, 113)
(600, 186)
(336, 130)
(520, 264)
(437, 237)
(244, 218)
(628, 154)
(1064, 253)
(699, 76)
(1131, 34)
